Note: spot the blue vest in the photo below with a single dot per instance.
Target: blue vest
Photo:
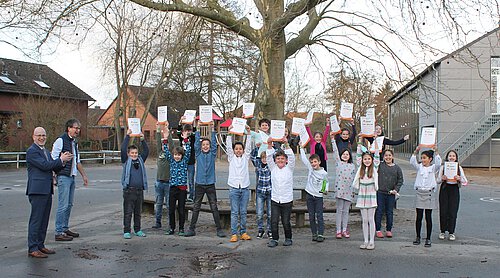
(66, 171)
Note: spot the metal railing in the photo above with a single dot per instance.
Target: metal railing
(105, 156)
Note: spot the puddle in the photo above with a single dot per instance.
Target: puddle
(210, 262)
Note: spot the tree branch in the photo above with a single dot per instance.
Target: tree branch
(216, 14)
(303, 38)
(292, 11)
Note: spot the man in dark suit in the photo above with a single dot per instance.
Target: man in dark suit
(40, 166)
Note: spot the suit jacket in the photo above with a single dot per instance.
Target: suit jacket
(40, 167)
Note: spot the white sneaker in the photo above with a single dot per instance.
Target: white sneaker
(364, 245)
(452, 237)
(370, 246)
(442, 236)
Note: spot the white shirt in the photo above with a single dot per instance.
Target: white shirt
(281, 179)
(315, 178)
(56, 152)
(238, 166)
(426, 176)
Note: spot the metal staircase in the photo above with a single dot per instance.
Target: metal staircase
(473, 138)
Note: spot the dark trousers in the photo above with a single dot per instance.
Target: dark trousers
(315, 210)
(177, 199)
(428, 221)
(385, 205)
(200, 191)
(449, 200)
(132, 204)
(283, 210)
(39, 220)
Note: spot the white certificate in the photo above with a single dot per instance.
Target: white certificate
(380, 142)
(162, 114)
(277, 130)
(370, 113)
(263, 137)
(297, 125)
(239, 125)
(134, 124)
(304, 137)
(189, 116)
(334, 124)
(428, 138)
(310, 116)
(346, 109)
(367, 127)
(205, 114)
(248, 109)
(450, 170)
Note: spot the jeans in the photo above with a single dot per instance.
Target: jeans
(132, 204)
(177, 197)
(162, 190)
(201, 190)
(315, 210)
(263, 199)
(449, 200)
(238, 198)
(283, 210)
(39, 220)
(65, 197)
(385, 205)
(190, 177)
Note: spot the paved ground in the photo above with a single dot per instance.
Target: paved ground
(101, 251)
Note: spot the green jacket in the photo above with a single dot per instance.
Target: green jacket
(163, 166)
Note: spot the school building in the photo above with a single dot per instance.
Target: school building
(458, 94)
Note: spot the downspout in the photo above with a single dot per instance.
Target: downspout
(436, 89)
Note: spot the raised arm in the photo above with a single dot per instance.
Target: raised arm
(291, 158)
(336, 154)
(353, 133)
(327, 131)
(248, 146)
(187, 154)
(213, 143)
(413, 158)
(168, 154)
(390, 142)
(124, 150)
(229, 147)
(145, 150)
(270, 158)
(304, 159)
(197, 143)
(308, 129)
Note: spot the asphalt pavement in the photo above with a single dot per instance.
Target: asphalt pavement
(102, 252)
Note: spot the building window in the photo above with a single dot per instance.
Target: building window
(495, 86)
(405, 120)
(42, 84)
(6, 80)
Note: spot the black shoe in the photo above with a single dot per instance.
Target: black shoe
(315, 238)
(220, 233)
(272, 243)
(170, 232)
(416, 241)
(427, 243)
(63, 237)
(157, 226)
(260, 235)
(189, 233)
(269, 235)
(71, 234)
(288, 242)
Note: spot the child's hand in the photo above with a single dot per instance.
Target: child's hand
(457, 177)
(327, 121)
(247, 127)
(444, 177)
(332, 135)
(129, 131)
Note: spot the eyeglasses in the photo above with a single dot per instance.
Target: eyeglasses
(76, 127)
(40, 135)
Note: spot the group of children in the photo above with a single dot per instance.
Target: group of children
(376, 183)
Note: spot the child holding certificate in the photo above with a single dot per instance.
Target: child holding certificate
(425, 187)
(239, 182)
(346, 138)
(452, 177)
(345, 171)
(366, 184)
(318, 144)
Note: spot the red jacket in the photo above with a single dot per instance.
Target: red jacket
(312, 142)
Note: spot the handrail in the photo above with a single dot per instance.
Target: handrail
(100, 155)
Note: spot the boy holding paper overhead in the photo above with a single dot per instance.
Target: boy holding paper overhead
(452, 177)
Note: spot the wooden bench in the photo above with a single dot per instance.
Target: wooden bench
(299, 209)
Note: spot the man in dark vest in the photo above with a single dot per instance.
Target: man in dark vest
(66, 179)
(39, 190)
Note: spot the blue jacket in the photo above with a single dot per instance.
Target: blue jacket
(205, 162)
(40, 167)
(127, 162)
(178, 169)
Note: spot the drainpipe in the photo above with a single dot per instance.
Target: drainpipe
(436, 89)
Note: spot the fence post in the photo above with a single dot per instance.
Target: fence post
(17, 161)
(103, 157)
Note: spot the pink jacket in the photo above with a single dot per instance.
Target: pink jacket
(312, 143)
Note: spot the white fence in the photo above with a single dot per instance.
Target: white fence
(20, 157)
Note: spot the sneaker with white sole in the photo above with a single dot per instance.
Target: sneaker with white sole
(442, 236)
(452, 237)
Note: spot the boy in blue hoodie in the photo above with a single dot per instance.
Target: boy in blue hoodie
(206, 151)
(134, 182)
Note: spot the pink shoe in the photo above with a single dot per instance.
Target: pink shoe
(339, 235)
(379, 234)
(346, 234)
(388, 234)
